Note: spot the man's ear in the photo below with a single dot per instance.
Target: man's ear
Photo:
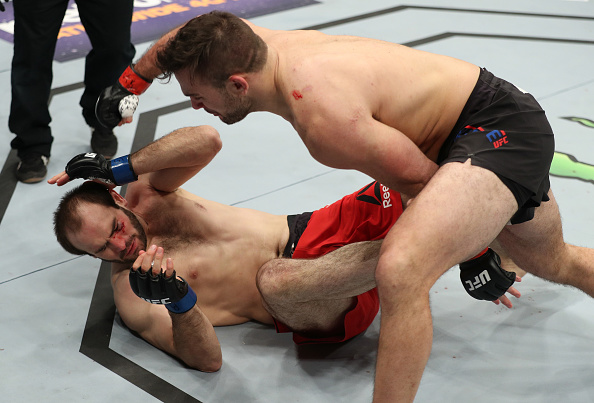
(237, 84)
(120, 201)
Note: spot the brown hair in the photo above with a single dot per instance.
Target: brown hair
(213, 46)
(66, 217)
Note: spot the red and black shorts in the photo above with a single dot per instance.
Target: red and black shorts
(365, 215)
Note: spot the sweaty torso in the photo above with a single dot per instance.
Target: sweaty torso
(417, 93)
(216, 248)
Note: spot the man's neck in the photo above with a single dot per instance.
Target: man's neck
(267, 88)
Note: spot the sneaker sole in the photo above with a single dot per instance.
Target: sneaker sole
(35, 179)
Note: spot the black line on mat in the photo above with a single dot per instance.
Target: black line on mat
(95, 345)
(97, 333)
(396, 9)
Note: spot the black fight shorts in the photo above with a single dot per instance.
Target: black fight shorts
(505, 130)
(297, 224)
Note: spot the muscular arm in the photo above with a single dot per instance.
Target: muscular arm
(164, 164)
(175, 158)
(349, 137)
(195, 340)
(188, 336)
(146, 65)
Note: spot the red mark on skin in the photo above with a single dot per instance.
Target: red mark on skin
(297, 95)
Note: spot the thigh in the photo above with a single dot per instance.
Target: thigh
(461, 210)
(107, 22)
(537, 246)
(344, 325)
(36, 28)
(315, 317)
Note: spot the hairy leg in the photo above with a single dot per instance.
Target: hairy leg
(314, 294)
(460, 211)
(506, 261)
(539, 248)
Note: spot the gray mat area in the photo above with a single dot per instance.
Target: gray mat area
(61, 339)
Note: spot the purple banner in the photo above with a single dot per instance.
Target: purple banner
(152, 18)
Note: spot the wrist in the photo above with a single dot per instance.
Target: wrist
(184, 304)
(122, 170)
(134, 82)
(480, 254)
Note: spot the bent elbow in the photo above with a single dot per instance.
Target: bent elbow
(205, 361)
(206, 145)
(211, 366)
(213, 139)
(215, 367)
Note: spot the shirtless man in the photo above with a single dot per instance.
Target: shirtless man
(218, 250)
(473, 150)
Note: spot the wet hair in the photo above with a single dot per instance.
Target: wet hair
(66, 216)
(213, 46)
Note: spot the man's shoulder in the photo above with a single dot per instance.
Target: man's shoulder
(140, 191)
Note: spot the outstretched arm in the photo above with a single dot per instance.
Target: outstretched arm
(179, 327)
(166, 164)
(117, 103)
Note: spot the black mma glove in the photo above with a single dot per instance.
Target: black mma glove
(120, 100)
(172, 292)
(484, 278)
(91, 166)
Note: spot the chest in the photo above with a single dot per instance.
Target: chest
(223, 278)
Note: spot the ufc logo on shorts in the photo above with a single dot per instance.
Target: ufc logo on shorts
(497, 138)
(479, 281)
(500, 142)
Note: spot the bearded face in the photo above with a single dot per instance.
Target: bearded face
(236, 108)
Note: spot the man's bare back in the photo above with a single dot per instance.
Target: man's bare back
(396, 103)
(417, 93)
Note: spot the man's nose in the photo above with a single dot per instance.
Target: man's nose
(118, 244)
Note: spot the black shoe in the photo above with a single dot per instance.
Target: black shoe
(32, 168)
(103, 142)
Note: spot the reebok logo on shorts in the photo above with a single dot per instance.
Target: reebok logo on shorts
(495, 137)
(375, 193)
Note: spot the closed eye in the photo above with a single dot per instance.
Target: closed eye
(116, 227)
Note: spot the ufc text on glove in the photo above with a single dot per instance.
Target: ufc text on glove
(484, 278)
(172, 292)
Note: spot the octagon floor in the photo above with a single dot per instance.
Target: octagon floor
(61, 337)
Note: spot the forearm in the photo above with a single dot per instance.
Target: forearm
(422, 176)
(117, 103)
(186, 147)
(147, 64)
(195, 341)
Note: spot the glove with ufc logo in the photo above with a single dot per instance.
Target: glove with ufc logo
(172, 292)
(91, 166)
(484, 278)
(121, 99)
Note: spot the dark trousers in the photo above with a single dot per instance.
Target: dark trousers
(37, 24)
